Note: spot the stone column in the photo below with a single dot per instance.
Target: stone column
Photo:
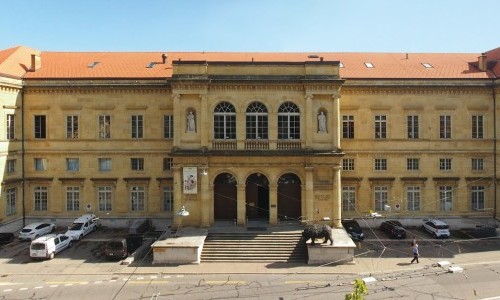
(336, 120)
(205, 198)
(241, 205)
(310, 120)
(337, 197)
(309, 194)
(177, 195)
(177, 119)
(273, 204)
(203, 123)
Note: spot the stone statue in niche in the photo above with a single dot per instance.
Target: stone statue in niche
(191, 122)
(322, 123)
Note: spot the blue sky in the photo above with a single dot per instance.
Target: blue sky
(252, 25)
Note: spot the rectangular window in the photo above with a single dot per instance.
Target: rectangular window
(72, 198)
(11, 201)
(477, 197)
(348, 127)
(348, 164)
(168, 198)
(168, 127)
(348, 198)
(412, 164)
(412, 127)
(137, 198)
(40, 164)
(71, 127)
(168, 163)
(104, 164)
(445, 127)
(40, 127)
(381, 195)
(11, 124)
(137, 164)
(11, 166)
(380, 164)
(445, 198)
(477, 164)
(41, 198)
(380, 127)
(413, 198)
(104, 193)
(477, 127)
(137, 127)
(104, 126)
(445, 164)
(72, 164)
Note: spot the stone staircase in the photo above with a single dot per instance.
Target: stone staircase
(254, 247)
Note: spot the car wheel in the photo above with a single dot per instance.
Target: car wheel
(51, 256)
(53, 229)
(435, 235)
(70, 244)
(80, 237)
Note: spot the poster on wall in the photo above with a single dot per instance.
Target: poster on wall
(190, 179)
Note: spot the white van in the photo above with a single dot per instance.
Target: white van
(47, 246)
(82, 226)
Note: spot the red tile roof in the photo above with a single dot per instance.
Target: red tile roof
(74, 65)
(14, 62)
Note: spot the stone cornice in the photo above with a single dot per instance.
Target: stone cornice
(94, 90)
(417, 90)
(9, 89)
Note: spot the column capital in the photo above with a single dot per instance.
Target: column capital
(309, 96)
(176, 96)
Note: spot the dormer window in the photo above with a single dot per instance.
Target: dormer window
(427, 65)
(369, 65)
(92, 64)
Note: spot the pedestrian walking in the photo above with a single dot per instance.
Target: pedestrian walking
(414, 250)
(413, 241)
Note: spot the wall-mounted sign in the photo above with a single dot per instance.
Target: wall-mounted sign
(190, 180)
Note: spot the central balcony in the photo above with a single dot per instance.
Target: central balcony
(256, 144)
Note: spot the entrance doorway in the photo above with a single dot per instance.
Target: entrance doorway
(289, 198)
(257, 197)
(225, 197)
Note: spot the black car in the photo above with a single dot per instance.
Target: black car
(394, 229)
(6, 237)
(353, 229)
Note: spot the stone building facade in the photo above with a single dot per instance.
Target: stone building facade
(248, 136)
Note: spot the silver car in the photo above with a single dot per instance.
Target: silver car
(35, 230)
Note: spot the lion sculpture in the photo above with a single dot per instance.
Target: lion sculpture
(317, 231)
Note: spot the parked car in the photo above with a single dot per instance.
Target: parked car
(394, 229)
(437, 228)
(353, 229)
(35, 230)
(120, 248)
(6, 237)
(82, 226)
(47, 246)
(140, 226)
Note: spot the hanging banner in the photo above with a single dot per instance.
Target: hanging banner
(190, 179)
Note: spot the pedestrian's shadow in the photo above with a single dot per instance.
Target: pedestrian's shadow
(403, 264)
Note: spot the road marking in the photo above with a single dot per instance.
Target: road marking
(148, 282)
(8, 290)
(54, 286)
(38, 287)
(23, 289)
(97, 282)
(223, 282)
(304, 282)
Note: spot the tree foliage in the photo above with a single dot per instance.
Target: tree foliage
(360, 290)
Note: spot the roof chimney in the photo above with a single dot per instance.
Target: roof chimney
(36, 62)
(164, 58)
(482, 62)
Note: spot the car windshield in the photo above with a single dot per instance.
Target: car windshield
(26, 230)
(442, 226)
(115, 245)
(37, 246)
(351, 224)
(76, 226)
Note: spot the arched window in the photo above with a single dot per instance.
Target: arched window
(256, 121)
(288, 121)
(225, 121)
